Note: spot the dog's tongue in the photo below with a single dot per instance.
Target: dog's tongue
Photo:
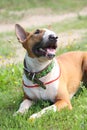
(50, 52)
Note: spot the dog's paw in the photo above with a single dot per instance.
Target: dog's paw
(34, 116)
(17, 113)
(20, 112)
(43, 111)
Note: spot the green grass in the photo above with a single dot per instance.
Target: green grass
(13, 10)
(68, 25)
(7, 43)
(75, 46)
(53, 4)
(11, 95)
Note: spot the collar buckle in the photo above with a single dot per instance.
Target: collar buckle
(31, 75)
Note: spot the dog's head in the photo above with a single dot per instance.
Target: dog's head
(40, 43)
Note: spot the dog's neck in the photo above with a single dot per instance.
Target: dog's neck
(36, 64)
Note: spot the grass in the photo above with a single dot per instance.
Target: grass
(11, 95)
(74, 24)
(75, 119)
(7, 43)
(75, 46)
(53, 4)
(18, 9)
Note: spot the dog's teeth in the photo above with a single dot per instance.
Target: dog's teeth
(42, 50)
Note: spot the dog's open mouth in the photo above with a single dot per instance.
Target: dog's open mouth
(46, 47)
(48, 51)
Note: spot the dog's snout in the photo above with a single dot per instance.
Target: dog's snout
(52, 37)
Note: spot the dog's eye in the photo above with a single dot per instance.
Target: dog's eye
(37, 31)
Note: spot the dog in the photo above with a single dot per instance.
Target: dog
(46, 77)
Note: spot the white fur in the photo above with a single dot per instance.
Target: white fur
(24, 106)
(47, 33)
(34, 64)
(43, 111)
(51, 89)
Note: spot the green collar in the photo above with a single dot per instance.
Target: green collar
(34, 76)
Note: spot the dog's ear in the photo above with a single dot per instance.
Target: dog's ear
(20, 33)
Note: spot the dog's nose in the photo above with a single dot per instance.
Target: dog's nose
(52, 37)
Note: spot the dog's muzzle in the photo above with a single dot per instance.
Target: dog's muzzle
(47, 47)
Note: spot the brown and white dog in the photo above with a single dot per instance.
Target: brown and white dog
(46, 77)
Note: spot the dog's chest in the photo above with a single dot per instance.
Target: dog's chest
(51, 89)
(46, 94)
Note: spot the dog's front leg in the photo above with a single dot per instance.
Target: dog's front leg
(43, 111)
(24, 106)
(60, 104)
